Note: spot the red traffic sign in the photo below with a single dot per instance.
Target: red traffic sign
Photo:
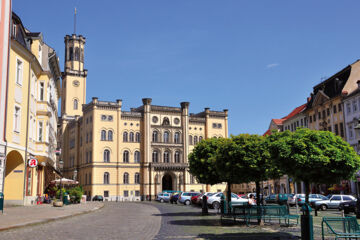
(33, 162)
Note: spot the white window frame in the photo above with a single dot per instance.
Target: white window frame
(40, 133)
(19, 74)
(17, 119)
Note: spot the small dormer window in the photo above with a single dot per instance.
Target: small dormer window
(40, 54)
(14, 30)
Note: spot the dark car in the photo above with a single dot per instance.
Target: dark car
(174, 198)
(348, 207)
(98, 198)
(278, 198)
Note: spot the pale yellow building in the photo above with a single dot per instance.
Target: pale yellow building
(128, 155)
(31, 116)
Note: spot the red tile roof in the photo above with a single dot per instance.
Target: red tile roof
(268, 132)
(295, 112)
(278, 121)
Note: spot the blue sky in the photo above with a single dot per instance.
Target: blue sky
(259, 59)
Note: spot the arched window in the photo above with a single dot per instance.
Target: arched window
(190, 140)
(103, 135)
(126, 157)
(155, 156)
(177, 137)
(126, 178)
(195, 140)
(71, 53)
(75, 104)
(200, 139)
(77, 54)
(137, 178)
(137, 137)
(166, 121)
(106, 178)
(110, 135)
(125, 137)
(155, 136)
(131, 137)
(166, 137)
(177, 157)
(137, 157)
(166, 157)
(106, 156)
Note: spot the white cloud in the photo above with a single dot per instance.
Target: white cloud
(272, 65)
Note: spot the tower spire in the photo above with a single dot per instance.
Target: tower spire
(75, 21)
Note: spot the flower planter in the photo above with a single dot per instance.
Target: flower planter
(58, 204)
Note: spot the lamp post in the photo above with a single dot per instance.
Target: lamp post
(357, 132)
(60, 195)
(75, 174)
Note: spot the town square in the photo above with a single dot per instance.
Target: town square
(179, 119)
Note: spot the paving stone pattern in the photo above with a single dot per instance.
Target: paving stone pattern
(114, 221)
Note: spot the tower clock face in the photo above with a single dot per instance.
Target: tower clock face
(76, 83)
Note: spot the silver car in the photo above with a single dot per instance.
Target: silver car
(333, 202)
(163, 197)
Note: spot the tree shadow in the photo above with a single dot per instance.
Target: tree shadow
(249, 236)
(184, 214)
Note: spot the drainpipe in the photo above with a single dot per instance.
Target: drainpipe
(6, 93)
(27, 128)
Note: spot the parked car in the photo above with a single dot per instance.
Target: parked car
(333, 202)
(348, 207)
(207, 194)
(163, 197)
(300, 199)
(174, 198)
(98, 198)
(214, 200)
(185, 197)
(281, 198)
(312, 199)
(195, 198)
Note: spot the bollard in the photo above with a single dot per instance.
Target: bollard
(307, 228)
(204, 206)
(222, 205)
(2, 202)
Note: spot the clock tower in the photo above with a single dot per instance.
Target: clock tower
(74, 77)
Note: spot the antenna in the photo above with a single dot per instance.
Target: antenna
(75, 21)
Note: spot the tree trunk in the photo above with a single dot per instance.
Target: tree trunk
(258, 201)
(228, 197)
(307, 191)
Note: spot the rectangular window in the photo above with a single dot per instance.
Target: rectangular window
(87, 157)
(90, 156)
(126, 193)
(351, 132)
(328, 111)
(19, 71)
(342, 130)
(329, 129)
(339, 107)
(106, 193)
(87, 137)
(297, 123)
(354, 106)
(89, 178)
(348, 108)
(336, 129)
(41, 91)
(90, 137)
(17, 118)
(334, 108)
(310, 119)
(323, 114)
(319, 115)
(314, 117)
(302, 122)
(40, 132)
(137, 193)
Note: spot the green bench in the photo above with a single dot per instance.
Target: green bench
(342, 227)
(272, 212)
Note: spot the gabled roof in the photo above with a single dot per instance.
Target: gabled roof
(278, 121)
(295, 112)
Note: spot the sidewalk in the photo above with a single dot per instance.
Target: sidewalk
(15, 217)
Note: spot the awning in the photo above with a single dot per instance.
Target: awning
(42, 160)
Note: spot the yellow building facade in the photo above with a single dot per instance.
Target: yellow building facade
(128, 155)
(31, 116)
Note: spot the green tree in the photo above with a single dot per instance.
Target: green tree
(202, 162)
(253, 160)
(313, 156)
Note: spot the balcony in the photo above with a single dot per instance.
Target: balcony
(169, 166)
(43, 108)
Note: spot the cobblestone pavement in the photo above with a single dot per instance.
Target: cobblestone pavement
(25, 215)
(114, 221)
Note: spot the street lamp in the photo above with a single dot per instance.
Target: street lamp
(61, 162)
(357, 132)
(75, 174)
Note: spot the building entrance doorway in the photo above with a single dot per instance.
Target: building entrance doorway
(167, 182)
(14, 177)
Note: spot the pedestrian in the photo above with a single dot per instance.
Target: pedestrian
(251, 200)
